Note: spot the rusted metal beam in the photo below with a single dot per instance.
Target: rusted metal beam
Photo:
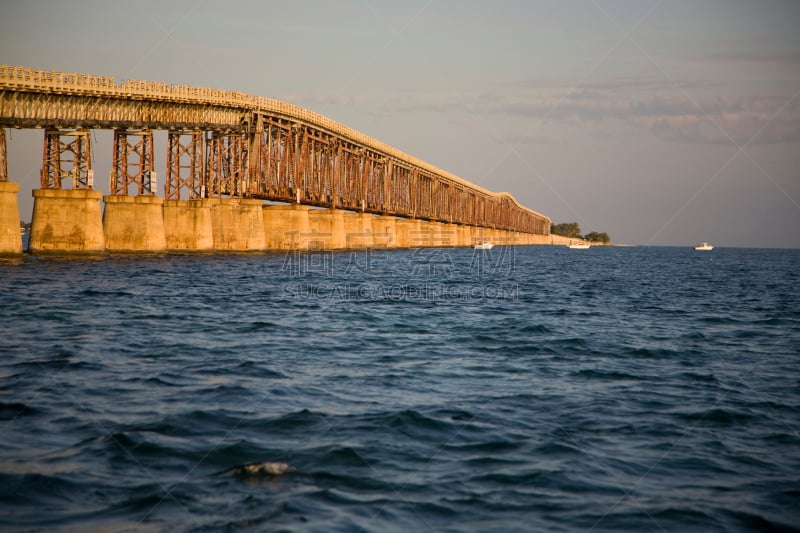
(226, 166)
(132, 163)
(254, 147)
(37, 110)
(67, 156)
(184, 165)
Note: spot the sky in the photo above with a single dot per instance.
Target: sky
(659, 122)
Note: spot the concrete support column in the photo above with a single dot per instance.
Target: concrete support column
(328, 224)
(66, 220)
(431, 234)
(540, 239)
(481, 234)
(448, 234)
(358, 230)
(134, 223)
(463, 235)
(237, 223)
(422, 236)
(407, 232)
(384, 229)
(512, 238)
(286, 227)
(187, 225)
(497, 237)
(10, 235)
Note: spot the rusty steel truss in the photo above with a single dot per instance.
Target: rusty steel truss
(224, 143)
(184, 165)
(67, 156)
(132, 163)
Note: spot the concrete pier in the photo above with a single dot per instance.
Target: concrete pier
(449, 234)
(498, 237)
(480, 234)
(328, 224)
(434, 234)
(286, 227)
(237, 223)
(358, 230)
(187, 225)
(66, 220)
(464, 235)
(512, 238)
(408, 233)
(384, 229)
(539, 239)
(10, 234)
(134, 224)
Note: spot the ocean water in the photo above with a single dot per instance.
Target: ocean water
(517, 389)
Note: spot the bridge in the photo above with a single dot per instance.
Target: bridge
(228, 152)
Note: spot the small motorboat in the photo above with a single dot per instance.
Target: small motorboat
(578, 246)
(485, 245)
(704, 246)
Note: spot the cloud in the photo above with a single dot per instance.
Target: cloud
(617, 83)
(787, 59)
(754, 119)
(729, 128)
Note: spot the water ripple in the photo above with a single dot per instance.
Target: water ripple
(626, 388)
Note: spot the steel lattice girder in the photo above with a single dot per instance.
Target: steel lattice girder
(185, 164)
(137, 170)
(67, 155)
(226, 164)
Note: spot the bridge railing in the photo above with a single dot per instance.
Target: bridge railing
(48, 79)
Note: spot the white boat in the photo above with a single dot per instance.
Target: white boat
(485, 245)
(578, 246)
(704, 246)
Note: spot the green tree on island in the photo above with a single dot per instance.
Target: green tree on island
(598, 237)
(573, 231)
(566, 229)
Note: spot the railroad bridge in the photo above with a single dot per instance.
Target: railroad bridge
(327, 185)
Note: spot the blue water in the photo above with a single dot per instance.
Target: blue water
(521, 389)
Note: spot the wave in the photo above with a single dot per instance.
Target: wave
(717, 416)
(609, 375)
(13, 410)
